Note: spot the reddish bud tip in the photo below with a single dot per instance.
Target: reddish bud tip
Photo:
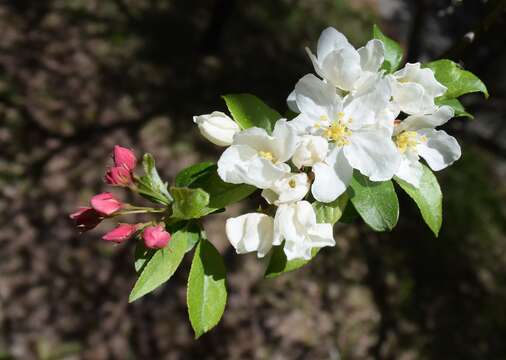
(86, 218)
(155, 237)
(120, 233)
(124, 157)
(105, 204)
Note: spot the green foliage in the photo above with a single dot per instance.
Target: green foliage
(189, 203)
(330, 212)
(279, 264)
(206, 292)
(393, 51)
(157, 266)
(205, 177)
(428, 197)
(249, 111)
(376, 202)
(151, 185)
(456, 105)
(457, 80)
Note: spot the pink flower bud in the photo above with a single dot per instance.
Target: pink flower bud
(120, 233)
(105, 203)
(118, 176)
(155, 237)
(86, 218)
(124, 157)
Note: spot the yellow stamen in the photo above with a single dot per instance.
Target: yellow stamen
(408, 140)
(266, 155)
(292, 183)
(339, 133)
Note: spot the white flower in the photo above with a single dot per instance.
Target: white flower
(338, 62)
(291, 188)
(251, 232)
(414, 89)
(296, 224)
(257, 158)
(217, 127)
(354, 128)
(416, 137)
(311, 150)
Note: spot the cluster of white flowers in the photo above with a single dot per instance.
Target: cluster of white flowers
(348, 118)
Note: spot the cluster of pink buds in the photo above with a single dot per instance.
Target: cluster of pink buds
(106, 205)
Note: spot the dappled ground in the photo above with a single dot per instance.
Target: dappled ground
(77, 77)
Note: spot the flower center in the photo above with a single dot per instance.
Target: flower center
(338, 132)
(408, 140)
(266, 155)
(292, 183)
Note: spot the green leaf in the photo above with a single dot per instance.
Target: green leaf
(221, 193)
(142, 256)
(189, 203)
(151, 185)
(330, 212)
(160, 266)
(376, 202)
(249, 111)
(457, 80)
(188, 175)
(279, 264)
(206, 292)
(393, 51)
(456, 105)
(428, 198)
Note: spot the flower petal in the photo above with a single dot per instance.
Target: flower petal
(330, 39)
(417, 122)
(410, 170)
(285, 140)
(316, 99)
(331, 177)
(373, 153)
(251, 232)
(342, 68)
(372, 55)
(440, 150)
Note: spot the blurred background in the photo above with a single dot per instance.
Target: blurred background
(78, 76)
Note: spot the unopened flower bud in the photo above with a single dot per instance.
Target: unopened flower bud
(217, 127)
(105, 204)
(86, 218)
(124, 157)
(118, 176)
(155, 237)
(120, 233)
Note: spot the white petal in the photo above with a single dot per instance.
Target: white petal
(292, 103)
(217, 127)
(321, 235)
(331, 177)
(425, 77)
(373, 153)
(285, 141)
(302, 124)
(311, 150)
(255, 138)
(372, 55)
(316, 99)
(410, 97)
(251, 232)
(440, 150)
(305, 214)
(410, 170)
(417, 122)
(342, 68)
(330, 39)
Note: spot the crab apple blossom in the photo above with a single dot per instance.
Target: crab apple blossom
(121, 233)
(353, 128)
(105, 203)
(295, 223)
(251, 232)
(416, 137)
(341, 65)
(257, 158)
(293, 187)
(155, 237)
(217, 127)
(414, 89)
